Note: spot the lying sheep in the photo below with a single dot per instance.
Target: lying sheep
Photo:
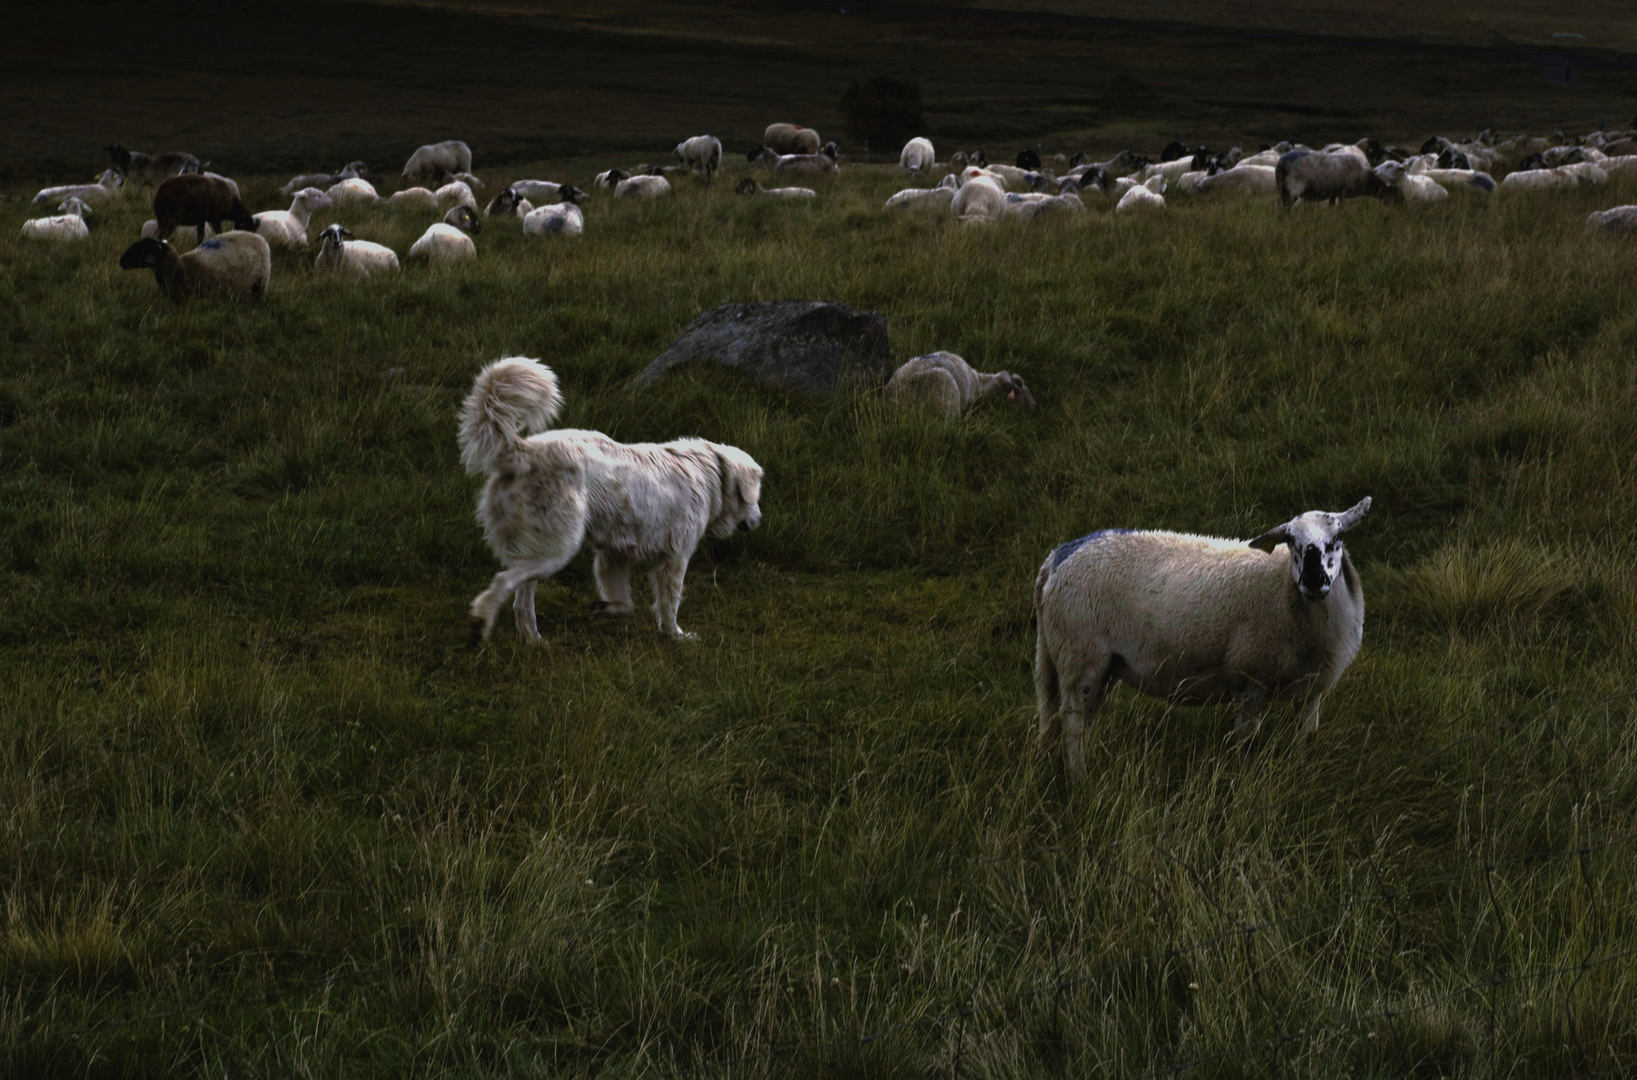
(541, 191)
(750, 186)
(702, 153)
(106, 189)
(933, 198)
(822, 162)
(69, 225)
(288, 228)
(564, 218)
(948, 384)
(414, 198)
(354, 191)
(150, 169)
(350, 171)
(468, 179)
(1412, 188)
(443, 243)
(1195, 620)
(790, 139)
(197, 200)
(643, 187)
(1310, 176)
(359, 258)
(238, 263)
(610, 178)
(1148, 195)
(430, 162)
(917, 156)
(1242, 179)
(455, 193)
(1035, 205)
(1620, 219)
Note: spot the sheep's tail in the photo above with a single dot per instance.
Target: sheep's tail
(1046, 689)
(509, 399)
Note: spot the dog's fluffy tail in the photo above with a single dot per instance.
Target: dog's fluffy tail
(509, 399)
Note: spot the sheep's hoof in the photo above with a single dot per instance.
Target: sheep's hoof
(477, 630)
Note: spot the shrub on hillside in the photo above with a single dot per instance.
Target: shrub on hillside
(885, 112)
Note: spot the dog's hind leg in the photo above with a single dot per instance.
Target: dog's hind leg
(614, 583)
(667, 581)
(505, 585)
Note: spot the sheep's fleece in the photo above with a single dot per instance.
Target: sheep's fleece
(640, 505)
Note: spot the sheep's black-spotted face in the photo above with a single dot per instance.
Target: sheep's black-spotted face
(1315, 548)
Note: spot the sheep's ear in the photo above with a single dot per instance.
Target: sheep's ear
(1350, 517)
(1272, 539)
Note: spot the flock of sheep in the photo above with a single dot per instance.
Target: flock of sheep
(1188, 619)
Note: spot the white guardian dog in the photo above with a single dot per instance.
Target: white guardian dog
(643, 505)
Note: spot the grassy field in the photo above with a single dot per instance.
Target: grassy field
(267, 814)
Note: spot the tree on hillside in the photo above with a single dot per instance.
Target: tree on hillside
(884, 112)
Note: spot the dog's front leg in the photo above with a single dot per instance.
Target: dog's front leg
(667, 581)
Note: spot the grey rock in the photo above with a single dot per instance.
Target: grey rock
(809, 346)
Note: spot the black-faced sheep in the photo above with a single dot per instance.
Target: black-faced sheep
(565, 218)
(238, 263)
(1195, 620)
(197, 200)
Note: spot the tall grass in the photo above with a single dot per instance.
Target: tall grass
(268, 815)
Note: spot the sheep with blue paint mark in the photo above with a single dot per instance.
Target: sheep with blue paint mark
(1195, 620)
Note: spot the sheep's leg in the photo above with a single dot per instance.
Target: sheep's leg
(1080, 706)
(613, 583)
(667, 579)
(505, 584)
(1248, 719)
(1308, 723)
(523, 612)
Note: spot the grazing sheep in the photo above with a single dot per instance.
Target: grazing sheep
(434, 160)
(979, 199)
(609, 179)
(643, 187)
(354, 191)
(917, 156)
(1148, 195)
(465, 219)
(1242, 179)
(750, 186)
(1621, 219)
(150, 169)
(1539, 179)
(1413, 188)
(69, 225)
(288, 228)
(822, 162)
(702, 153)
(238, 263)
(443, 243)
(106, 189)
(455, 193)
(1310, 176)
(469, 180)
(933, 198)
(1195, 620)
(790, 139)
(564, 218)
(181, 238)
(414, 198)
(947, 383)
(197, 200)
(360, 258)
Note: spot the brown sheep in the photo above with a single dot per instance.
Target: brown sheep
(198, 200)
